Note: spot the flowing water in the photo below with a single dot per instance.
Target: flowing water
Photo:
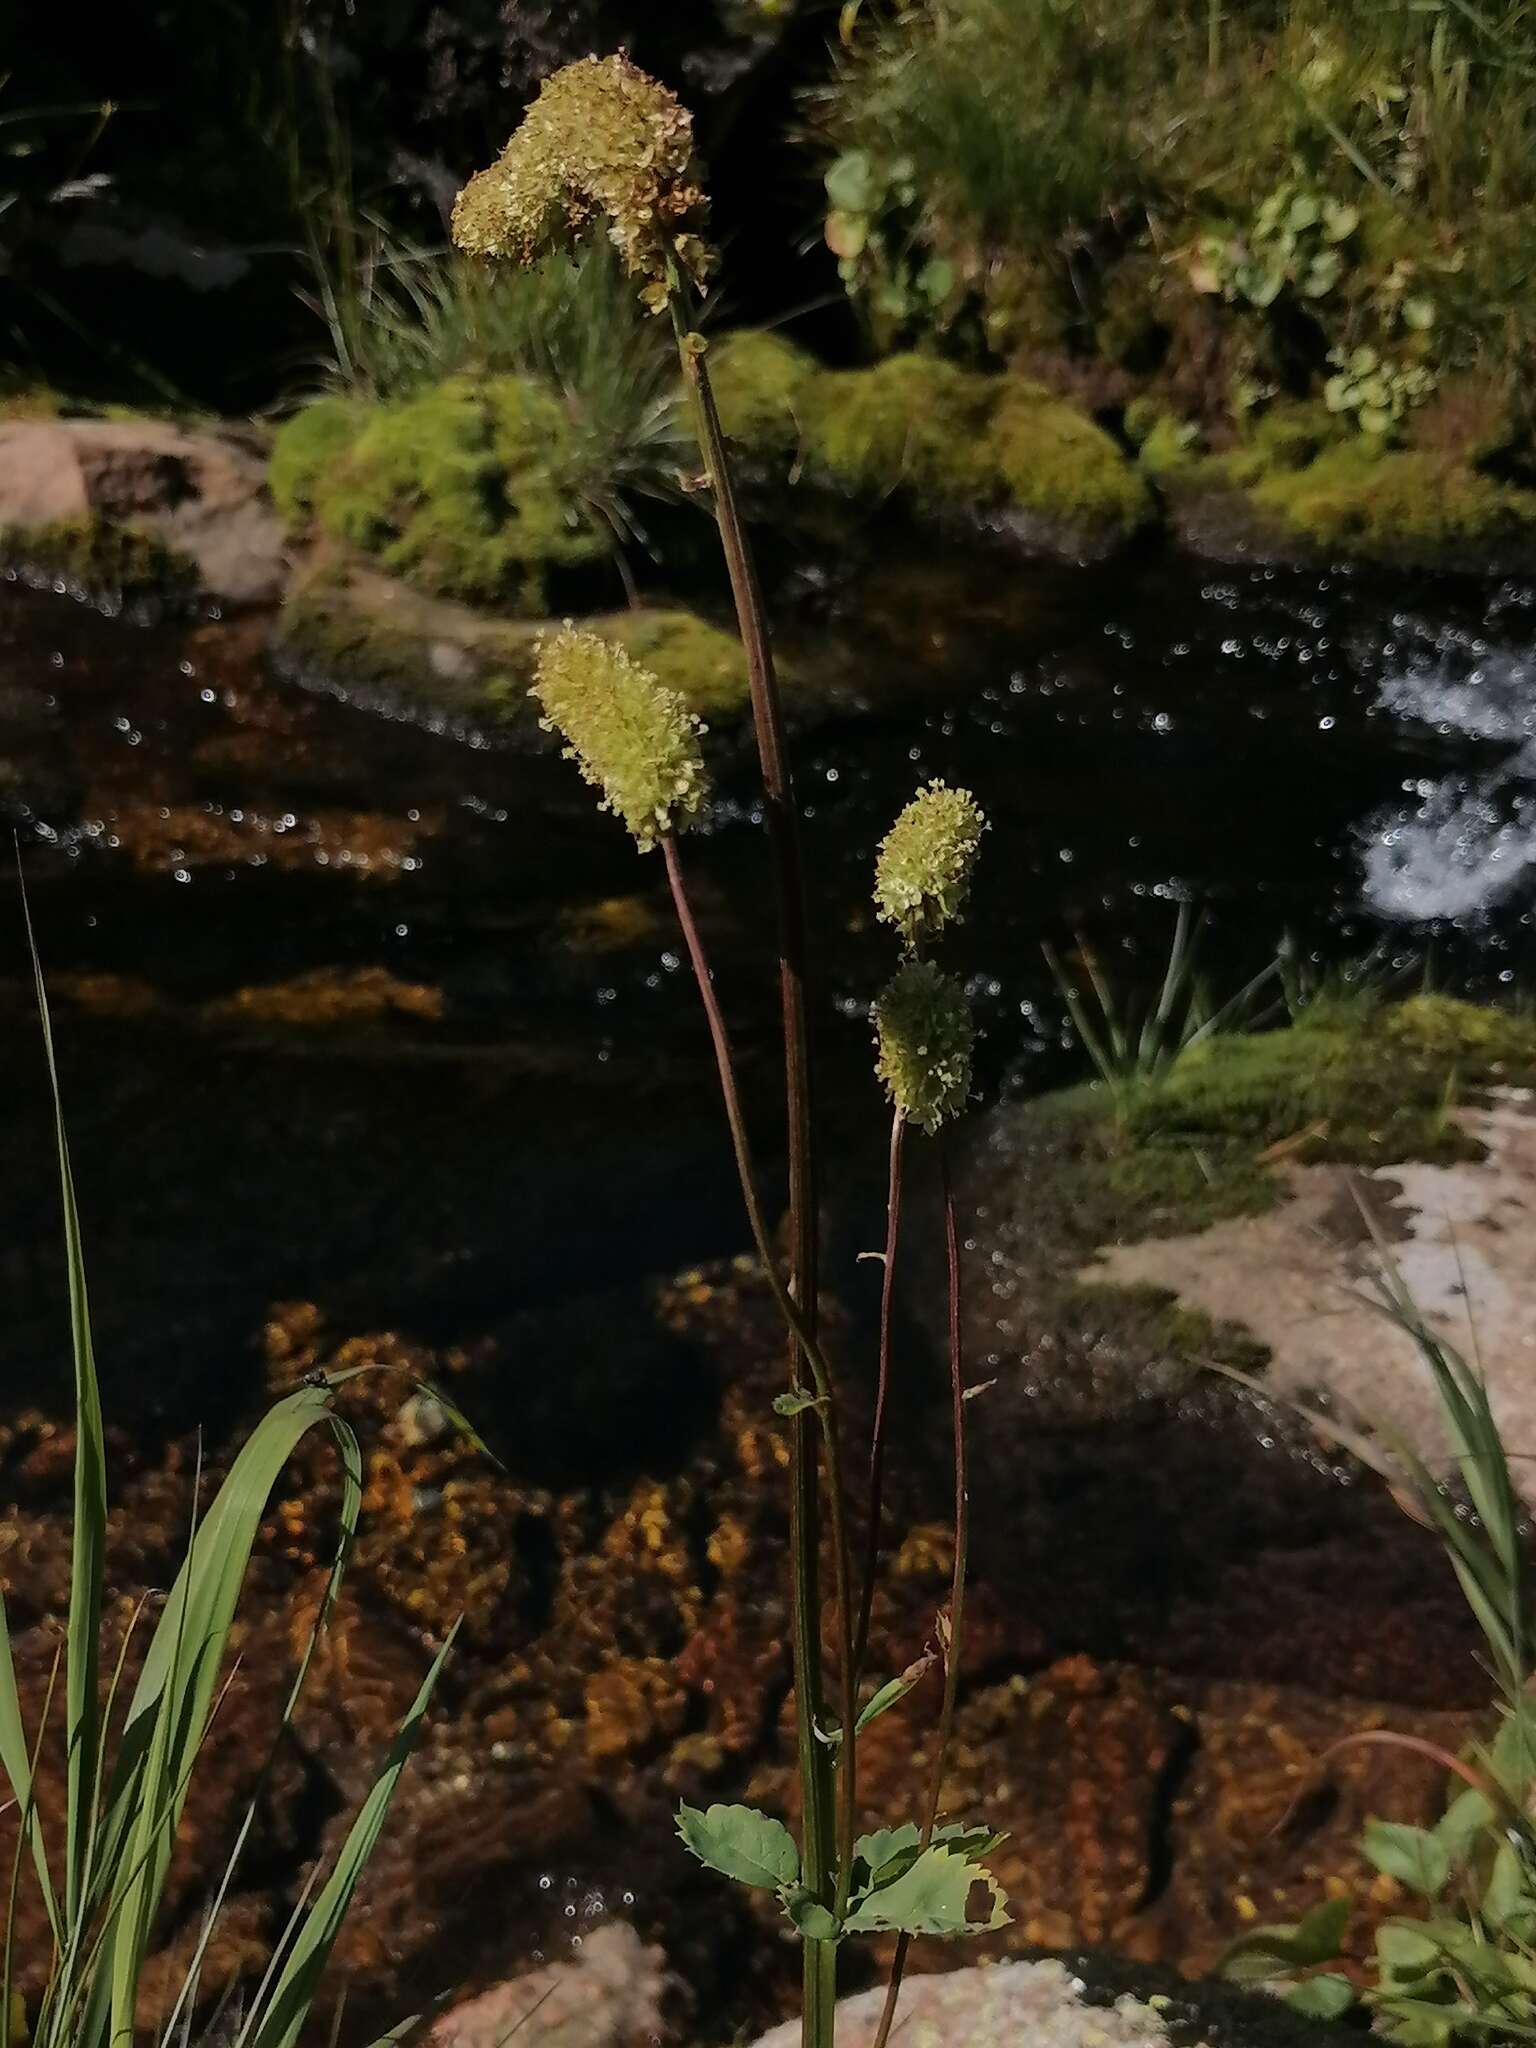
(1346, 763)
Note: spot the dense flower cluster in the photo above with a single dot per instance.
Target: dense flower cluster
(602, 138)
(924, 1032)
(923, 873)
(632, 737)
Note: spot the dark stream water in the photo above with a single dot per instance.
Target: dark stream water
(391, 1020)
(1348, 762)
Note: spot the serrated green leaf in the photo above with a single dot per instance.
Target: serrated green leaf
(741, 1843)
(1413, 1856)
(879, 1851)
(1322, 1998)
(942, 1893)
(1406, 1951)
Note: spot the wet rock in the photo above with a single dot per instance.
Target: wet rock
(608, 1995)
(1050, 2005)
(203, 495)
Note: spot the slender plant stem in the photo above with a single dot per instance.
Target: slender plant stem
(882, 1389)
(820, 1972)
(820, 1852)
(957, 1579)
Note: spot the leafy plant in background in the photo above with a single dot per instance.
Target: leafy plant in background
(1375, 392)
(1298, 242)
(604, 143)
(1132, 1046)
(1466, 1970)
(101, 1872)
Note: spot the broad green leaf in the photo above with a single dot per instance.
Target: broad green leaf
(936, 280)
(1276, 1951)
(1413, 1856)
(1405, 1950)
(1419, 313)
(1339, 221)
(942, 1893)
(880, 1851)
(1322, 1998)
(1464, 1820)
(742, 1843)
(811, 1917)
(1507, 1897)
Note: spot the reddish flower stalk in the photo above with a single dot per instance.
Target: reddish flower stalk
(957, 1578)
(882, 1390)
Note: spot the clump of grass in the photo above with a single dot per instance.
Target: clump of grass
(102, 1872)
(989, 154)
(568, 326)
(1131, 1046)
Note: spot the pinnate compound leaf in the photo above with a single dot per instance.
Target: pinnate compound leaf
(1413, 1856)
(742, 1843)
(940, 1893)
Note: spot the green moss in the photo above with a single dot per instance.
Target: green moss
(1052, 460)
(1169, 448)
(1384, 503)
(703, 664)
(1350, 1081)
(912, 423)
(760, 381)
(303, 450)
(365, 631)
(111, 562)
(946, 439)
(465, 488)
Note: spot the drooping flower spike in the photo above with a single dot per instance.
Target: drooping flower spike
(923, 871)
(601, 139)
(923, 1034)
(630, 735)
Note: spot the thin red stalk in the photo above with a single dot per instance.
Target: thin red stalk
(957, 1578)
(882, 1390)
(822, 1851)
(805, 1337)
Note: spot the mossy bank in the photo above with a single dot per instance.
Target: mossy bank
(1357, 1080)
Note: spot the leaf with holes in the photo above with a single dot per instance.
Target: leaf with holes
(940, 1893)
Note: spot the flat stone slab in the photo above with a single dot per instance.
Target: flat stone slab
(1299, 1277)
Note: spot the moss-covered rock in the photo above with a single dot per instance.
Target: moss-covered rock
(1401, 505)
(946, 440)
(354, 629)
(760, 383)
(1354, 1080)
(112, 563)
(467, 488)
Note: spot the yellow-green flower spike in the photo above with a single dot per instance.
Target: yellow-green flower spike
(630, 735)
(924, 1032)
(602, 138)
(923, 871)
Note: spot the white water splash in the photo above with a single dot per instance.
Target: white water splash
(1470, 841)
